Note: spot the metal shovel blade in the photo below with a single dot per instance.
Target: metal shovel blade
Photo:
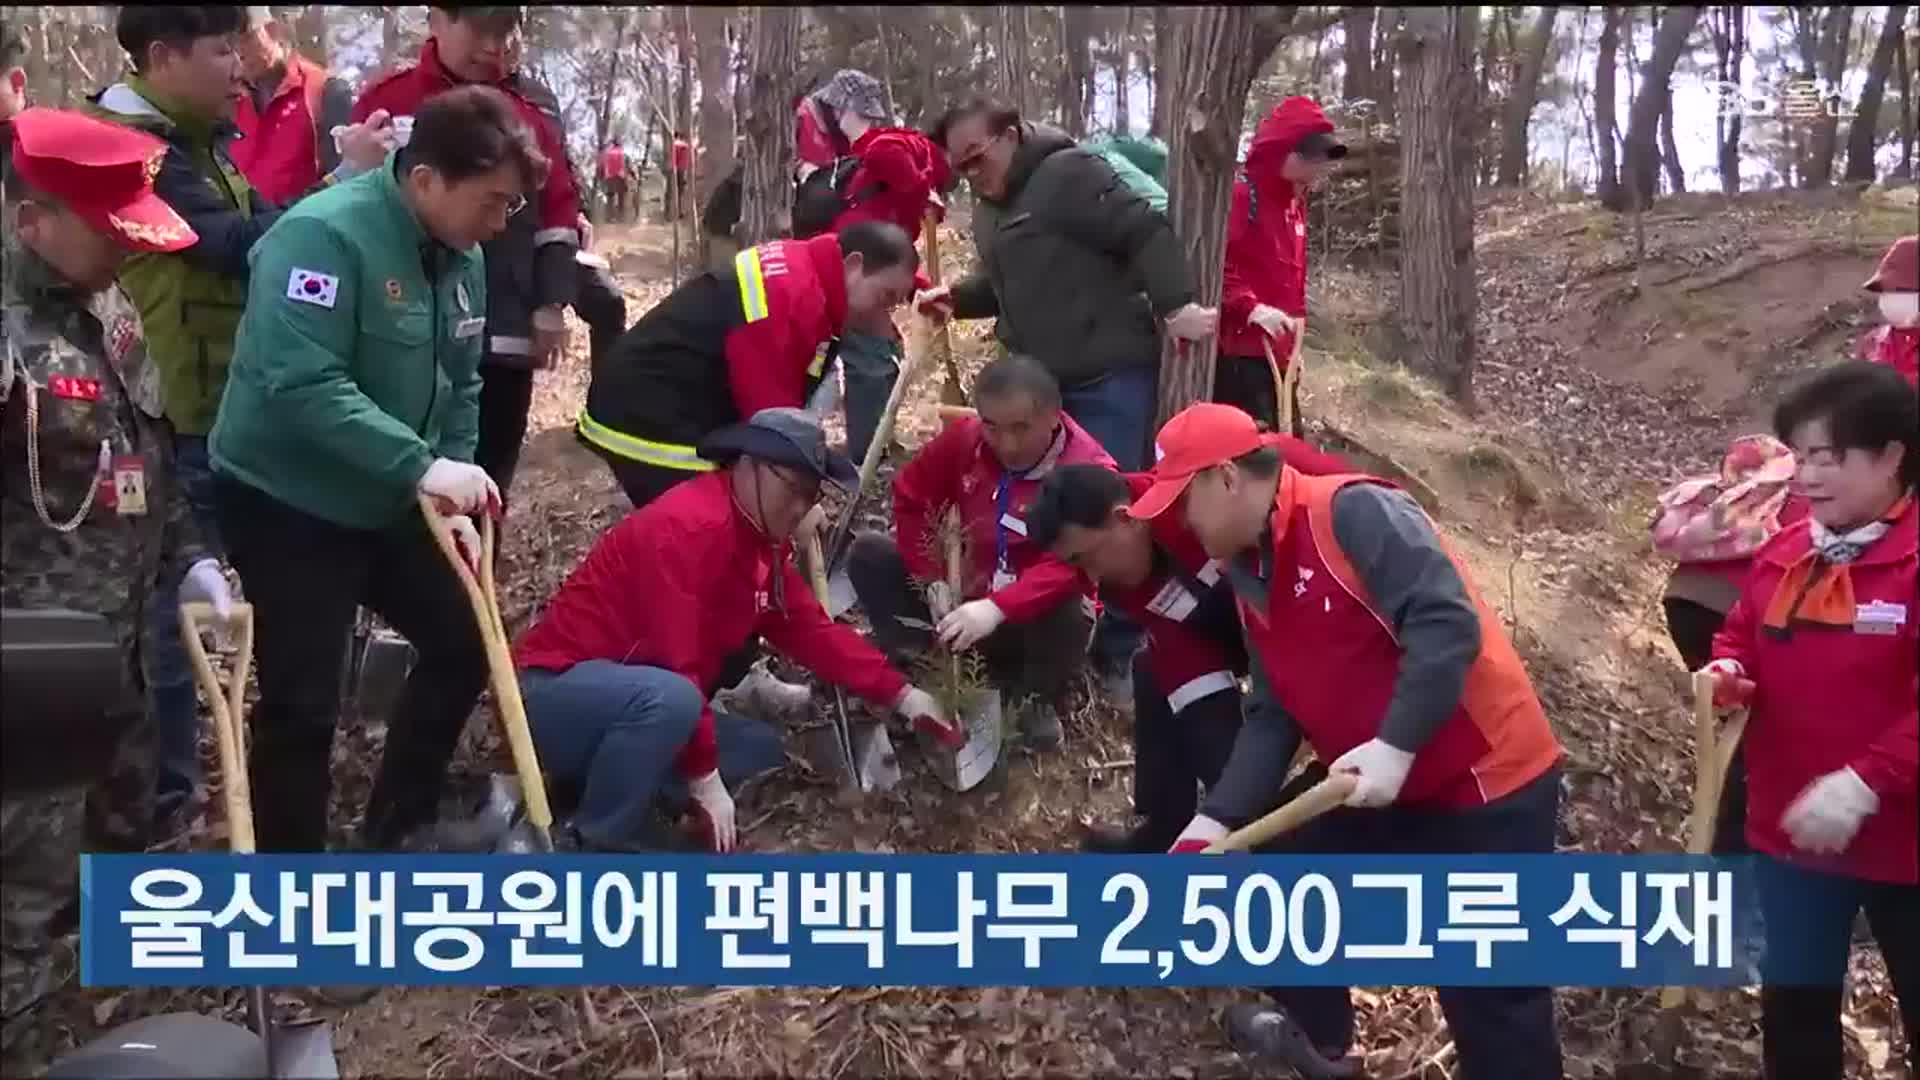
(874, 760)
(840, 594)
(303, 1050)
(963, 769)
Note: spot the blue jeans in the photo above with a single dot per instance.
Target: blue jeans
(171, 692)
(871, 363)
(1117, 410)
(611, 732)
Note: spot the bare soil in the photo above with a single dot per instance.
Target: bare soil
(1599, 382)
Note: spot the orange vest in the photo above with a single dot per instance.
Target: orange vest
(1333, 661)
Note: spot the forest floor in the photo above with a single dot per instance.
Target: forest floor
(1599, 383)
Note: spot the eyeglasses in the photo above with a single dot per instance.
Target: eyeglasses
(805, 491)
(969, 163)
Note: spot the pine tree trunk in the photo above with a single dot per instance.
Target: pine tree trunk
(1835, 32)
(1905, 171)
(1521, 98)
(1157, 67)
(1670, 152)
(1864, 137)
(1356, 82)
(1212, 55)
(1437, 295)
(1640, 167)
(886, 62)
(1386, 58)
(1074, 29)
(603, 125)
(1122, 71)
(1607, 184)
(1730, 45)
(310, 33)
(766, 206)
(714, 161)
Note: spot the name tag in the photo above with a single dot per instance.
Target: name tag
(1879, 617)
(467, 328)
(1002, 579)
(1013, 524)
(1210, 573)
(1174, 601)
(129, 485)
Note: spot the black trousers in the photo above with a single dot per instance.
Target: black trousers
(1692, 627)
(1175, 753)
(1246, 383)
(1034, 659)
(506, 393)
(643, 483)
(1500, 1033)
(304, 577)
(1809, 923)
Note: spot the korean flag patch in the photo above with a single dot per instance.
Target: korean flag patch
(313, 287)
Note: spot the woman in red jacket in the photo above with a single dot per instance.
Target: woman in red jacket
(1896, 282)
(1824, 644)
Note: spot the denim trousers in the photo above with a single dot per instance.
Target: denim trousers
(608, 734)
(1117, 410)
(171, 693)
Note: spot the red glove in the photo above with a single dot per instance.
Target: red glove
(1188, 847)
(1200, 834)
(1731, 687)
(919, 706)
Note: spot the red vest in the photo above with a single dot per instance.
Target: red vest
(279, 151)
(1332, 662)
(613, 163)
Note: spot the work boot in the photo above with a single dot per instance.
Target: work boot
(1040, 727)
(763, 696)
(1142, 839)
(1270, 1035)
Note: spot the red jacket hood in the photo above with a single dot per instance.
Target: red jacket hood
(1275, 138)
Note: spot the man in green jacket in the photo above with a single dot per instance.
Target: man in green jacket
(355, 388)
(184, 88)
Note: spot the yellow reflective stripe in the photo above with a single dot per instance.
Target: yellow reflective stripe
(819, 361)
(664, 455)
(753, 284)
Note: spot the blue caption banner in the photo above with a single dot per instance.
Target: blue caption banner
(916, 920)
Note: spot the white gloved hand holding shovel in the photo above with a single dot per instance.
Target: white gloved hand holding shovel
(1272, 320)
(967, 624)
(1379, 769)
(939, 600)
(920, 709)
(206, 582)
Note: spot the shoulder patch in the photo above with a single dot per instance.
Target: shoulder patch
(313, 287)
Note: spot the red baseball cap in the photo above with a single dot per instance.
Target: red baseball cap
(1198, 437)
(102, 172)
(1899, 269)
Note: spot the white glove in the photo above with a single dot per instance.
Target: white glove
(365, 145)
(1827, 814)
(935, 303)
(1193, 322)
(919, 707)
(1200, 834)
(466, 540)
(581, 223)
(549, 335)
(939, 600)
(205, 581)
(1725, 666)
(1272, 320)
(460, 488)
(968, 623)
(711, 801)
(1380, 769)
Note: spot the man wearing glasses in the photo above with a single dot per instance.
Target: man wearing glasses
(530, 273)
(618, 673)
(354, 390)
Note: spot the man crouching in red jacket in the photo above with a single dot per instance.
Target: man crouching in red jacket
(618, 672)
(1367, 638)
(1031, 614)
(1186, 684)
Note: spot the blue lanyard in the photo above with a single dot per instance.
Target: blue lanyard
(1002, 500)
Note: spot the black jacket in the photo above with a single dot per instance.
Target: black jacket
(1075, 265)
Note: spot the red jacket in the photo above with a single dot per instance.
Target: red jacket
(402, 92)
(1332, 662)
(682, 156)
(613, 163)
(1898, 347)
(899, 170)
(1828, 698)
(681, 584)
(813, 144)
(958, 468)
(1267, 234)
(279, 153)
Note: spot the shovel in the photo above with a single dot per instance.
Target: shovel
(1283, 384)
(963, 769)
(483, 596)
(1713, 755)
(301, 1049)
(1316, 800)
(869, 760)
(951, 392)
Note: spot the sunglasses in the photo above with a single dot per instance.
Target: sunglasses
(969, 162)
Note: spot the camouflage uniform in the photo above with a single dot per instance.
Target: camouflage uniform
(105, 564)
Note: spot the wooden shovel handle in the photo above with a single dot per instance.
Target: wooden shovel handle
(506, 688)
(1713, 749)
(1316, 800)
(1284, 382)
(949, 413)
(228, 706)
